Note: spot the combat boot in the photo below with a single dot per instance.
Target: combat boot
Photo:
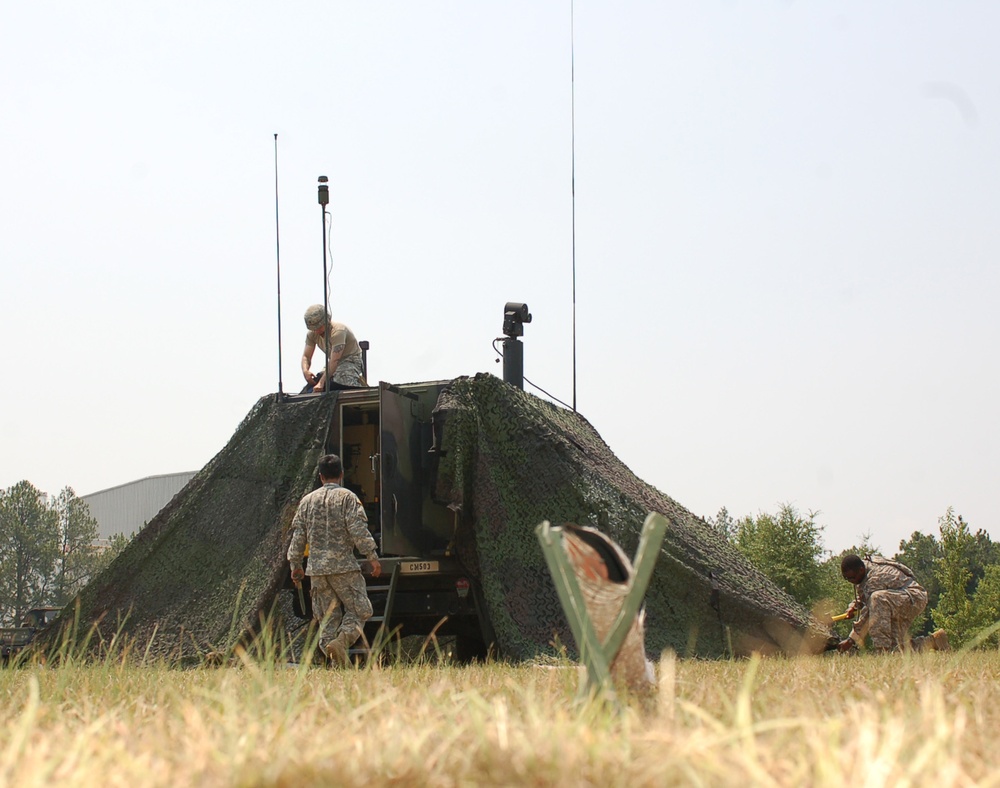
(940, 639)
(336, 654)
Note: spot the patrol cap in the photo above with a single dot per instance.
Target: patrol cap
(314, 317)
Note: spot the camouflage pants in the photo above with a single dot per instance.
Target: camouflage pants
(340, 606)
(890, 615)
(350, 371)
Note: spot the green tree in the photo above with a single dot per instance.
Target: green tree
(787, 548)
(983, 553)
(78, 551)
(986, 608)
(110, 552)
(29, 549)
(968, 575)
(724, 523)
(954, 612)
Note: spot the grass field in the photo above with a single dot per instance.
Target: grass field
(919, 719)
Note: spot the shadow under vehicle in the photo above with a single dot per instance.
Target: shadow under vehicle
(385, 437)
(14, 639)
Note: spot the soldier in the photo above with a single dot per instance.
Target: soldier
(333, 522)
(889, 598)
(345, 365)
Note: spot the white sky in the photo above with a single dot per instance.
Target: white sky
(787, 236)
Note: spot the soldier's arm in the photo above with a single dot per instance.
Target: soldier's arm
(335, 355)
(307, 355)
(337, 343)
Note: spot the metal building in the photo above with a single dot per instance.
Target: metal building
(125, 509)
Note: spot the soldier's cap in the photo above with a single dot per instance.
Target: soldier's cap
(314, 316)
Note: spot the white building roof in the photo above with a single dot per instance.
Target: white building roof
(126, 508)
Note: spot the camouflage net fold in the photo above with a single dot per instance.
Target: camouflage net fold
(201, 572)
(512, 460)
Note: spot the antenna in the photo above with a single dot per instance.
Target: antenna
(277, 254)
(323, 194)
(572, 104)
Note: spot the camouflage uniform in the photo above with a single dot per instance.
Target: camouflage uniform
(892, 599)
(333, 522)
(350, 369)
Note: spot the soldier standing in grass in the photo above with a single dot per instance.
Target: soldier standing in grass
(332, 521)
(889, 598)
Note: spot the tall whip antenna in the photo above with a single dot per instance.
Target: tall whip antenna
(323, 196)
(277, 254)
(572, 103)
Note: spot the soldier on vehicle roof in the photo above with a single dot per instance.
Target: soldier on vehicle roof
(345, 364)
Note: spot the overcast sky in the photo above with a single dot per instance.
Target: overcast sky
(787, 240)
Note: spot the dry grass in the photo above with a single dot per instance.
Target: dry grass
(927, 719)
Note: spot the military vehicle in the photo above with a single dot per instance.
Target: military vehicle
(455, 477)
(385, 437)
(14, 639)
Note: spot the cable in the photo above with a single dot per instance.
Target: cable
(530, 383)
(533, 385)
(329, 263)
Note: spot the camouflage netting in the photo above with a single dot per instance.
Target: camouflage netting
(512, 460)
(203, 571)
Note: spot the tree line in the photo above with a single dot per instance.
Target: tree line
(48, 549)
(959, 568)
